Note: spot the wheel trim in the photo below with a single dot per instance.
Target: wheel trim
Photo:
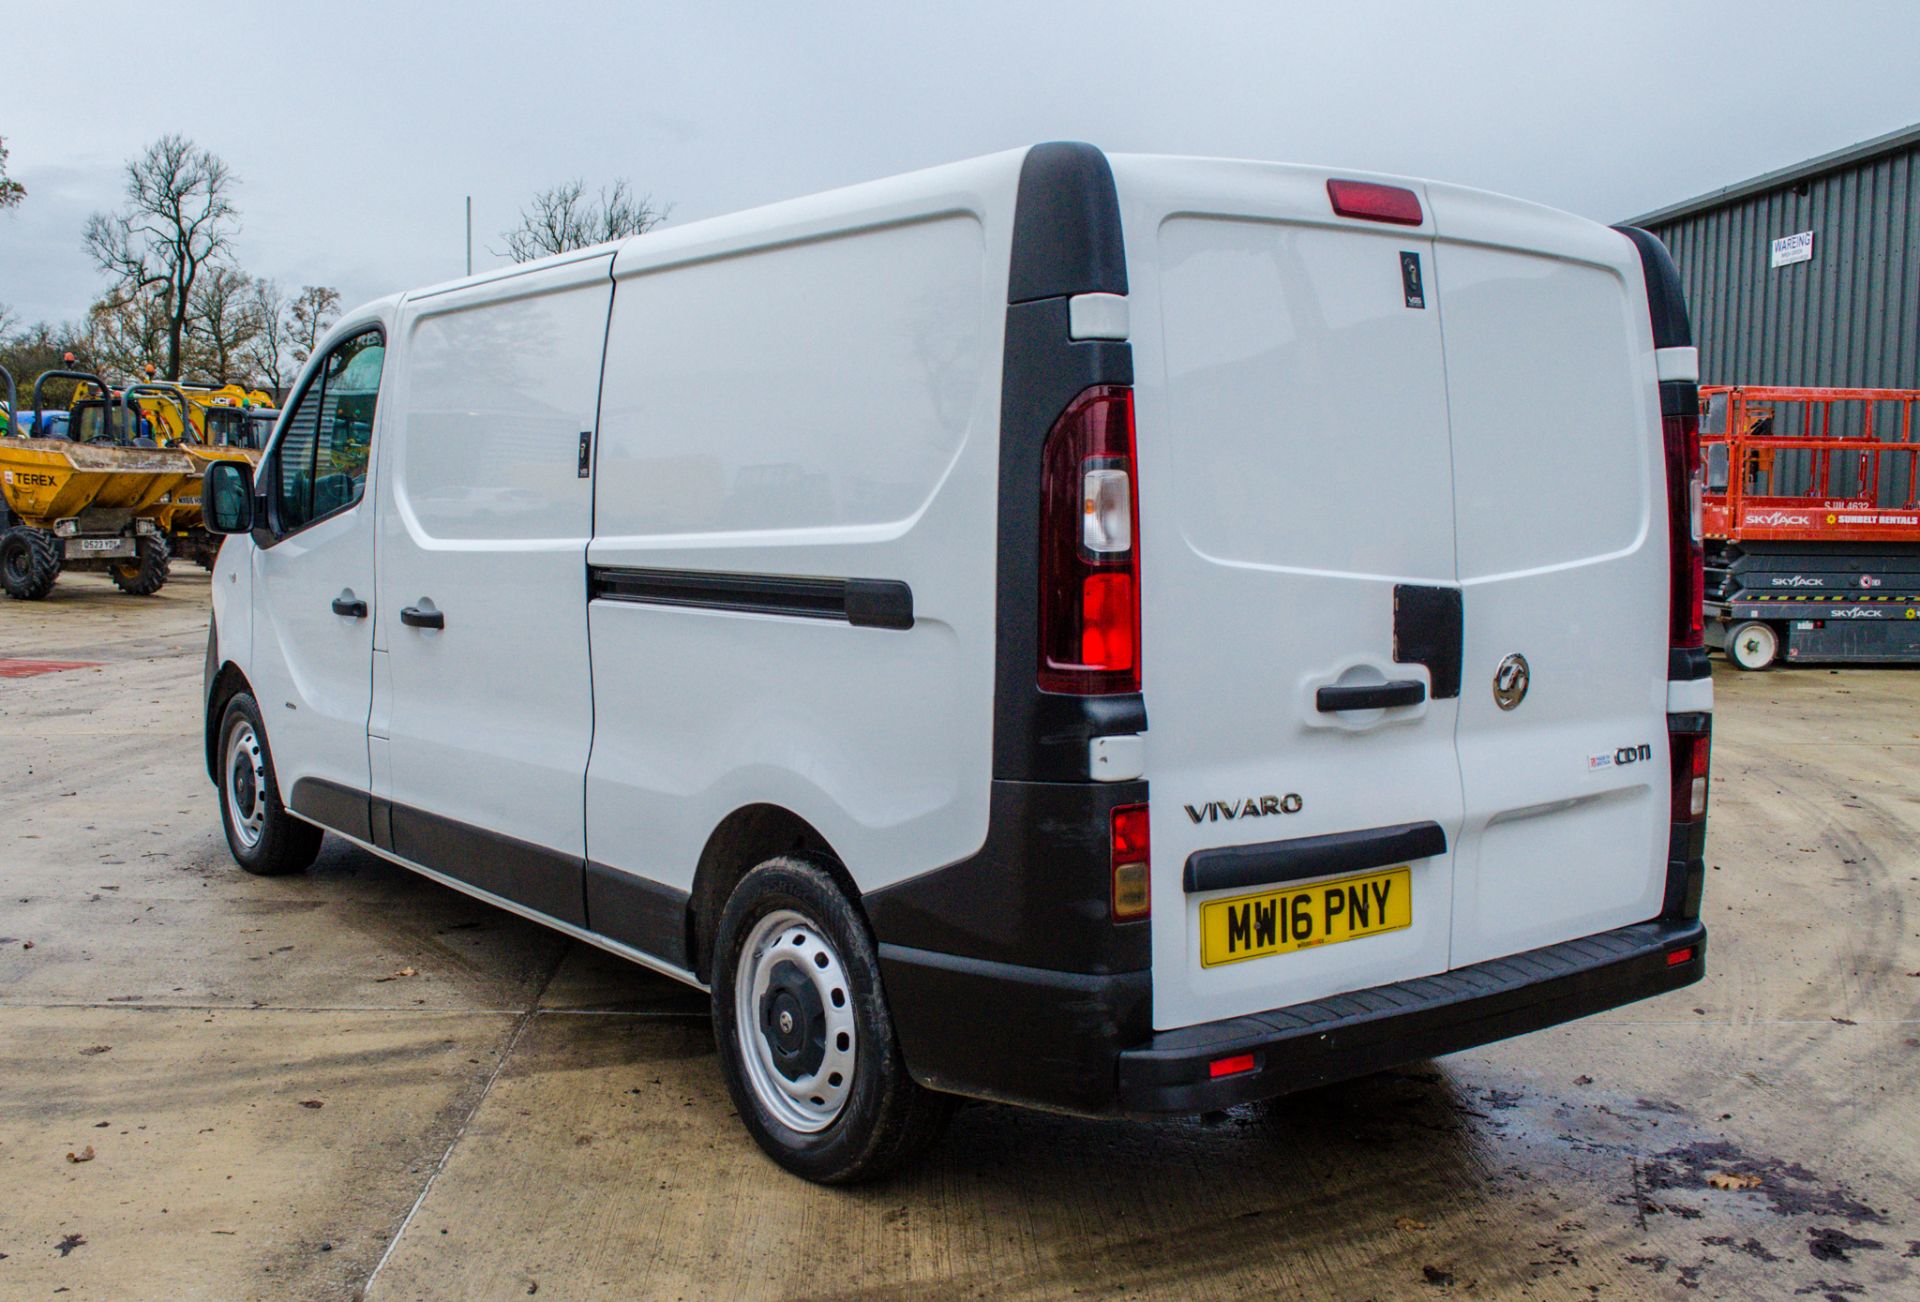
(246, 783)
(780, 944)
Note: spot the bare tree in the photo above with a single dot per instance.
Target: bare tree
(125, 332)
(224, 324)
(564, 218)
(313, 309)
(178, 218)
(11, 191)
(272, 344)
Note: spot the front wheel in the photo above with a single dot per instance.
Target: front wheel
(265, 839)
(29, 562)
(147, 572)
(806, 1042)
(1753, 645)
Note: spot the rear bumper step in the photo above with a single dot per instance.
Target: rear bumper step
(1352, 1034)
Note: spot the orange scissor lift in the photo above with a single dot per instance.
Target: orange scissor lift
(1811, 513)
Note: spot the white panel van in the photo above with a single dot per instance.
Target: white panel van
(1129, 636)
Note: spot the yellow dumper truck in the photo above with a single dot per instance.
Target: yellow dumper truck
(95, 500)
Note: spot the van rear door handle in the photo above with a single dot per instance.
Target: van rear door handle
(1371, 696)
(414, 617)
(351, 607)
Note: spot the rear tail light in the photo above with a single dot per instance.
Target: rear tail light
(1132, 864)
(1089, 548)
(1679, 956)
(1373, 202)
(1685, 484)
(1692, 745)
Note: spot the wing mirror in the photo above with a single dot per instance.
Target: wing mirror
(226, 497)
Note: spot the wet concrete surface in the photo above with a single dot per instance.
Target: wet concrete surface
(522, 1115)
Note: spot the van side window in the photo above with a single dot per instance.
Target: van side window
(322, 457)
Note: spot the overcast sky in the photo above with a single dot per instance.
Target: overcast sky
(357, 129)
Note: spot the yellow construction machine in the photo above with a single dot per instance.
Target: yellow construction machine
(92, 498)
(206, 422)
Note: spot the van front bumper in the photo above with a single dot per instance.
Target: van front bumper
(1370, 1030)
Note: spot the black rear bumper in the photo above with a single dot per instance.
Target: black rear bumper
(1369, 1030)
(1083, 1043)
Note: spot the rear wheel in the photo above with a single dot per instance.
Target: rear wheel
(806, 1041)
(147, 572)
(1753, 645)
(264, 837)
(29, 562)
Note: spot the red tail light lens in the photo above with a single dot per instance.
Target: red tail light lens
(1685, 483)
(1234, 1066)
(1691, 751)
(1090, 548)
(1372, 202)
(1132, 864)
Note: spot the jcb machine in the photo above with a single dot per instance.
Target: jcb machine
(1811, 513)
(90, 501)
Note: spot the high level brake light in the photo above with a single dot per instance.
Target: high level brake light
(1089, 548)
(1372, 202)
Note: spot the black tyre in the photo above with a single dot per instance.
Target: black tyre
(29, 562)
(1753, 645)
(147, 572)
(264, 837)
(805, 1038)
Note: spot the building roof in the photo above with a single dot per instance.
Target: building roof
(1878, 147)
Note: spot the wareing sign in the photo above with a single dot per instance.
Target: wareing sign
(1789, 249)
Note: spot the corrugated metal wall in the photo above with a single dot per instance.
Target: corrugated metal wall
(1850, 317)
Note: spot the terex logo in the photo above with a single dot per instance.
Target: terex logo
(1252, 807)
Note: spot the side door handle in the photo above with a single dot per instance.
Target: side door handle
(1370, 696)
(414, 617)
(351, 607)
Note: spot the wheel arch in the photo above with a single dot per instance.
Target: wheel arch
(745, 838)
(223, 684)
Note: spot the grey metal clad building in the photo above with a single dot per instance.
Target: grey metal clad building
(1809, 275)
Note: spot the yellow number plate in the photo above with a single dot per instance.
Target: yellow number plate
(1325, 913)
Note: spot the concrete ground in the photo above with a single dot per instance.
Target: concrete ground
(357, 1083)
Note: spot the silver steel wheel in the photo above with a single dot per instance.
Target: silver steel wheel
(246, 784)
(793, 1017)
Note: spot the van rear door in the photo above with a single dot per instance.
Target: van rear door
(1561, 535)
(1296, 517)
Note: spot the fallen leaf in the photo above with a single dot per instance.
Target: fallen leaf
(93, 1049)
(312, 1103)
(69, 1243)
(1736, 1180)
(27, 944)
(1583, 1080)
(84, 1155)
(1437, 1277)
(1409, 1224)
(1844, 1021)
(403, 972)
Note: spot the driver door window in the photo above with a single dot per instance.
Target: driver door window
(321, 460)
